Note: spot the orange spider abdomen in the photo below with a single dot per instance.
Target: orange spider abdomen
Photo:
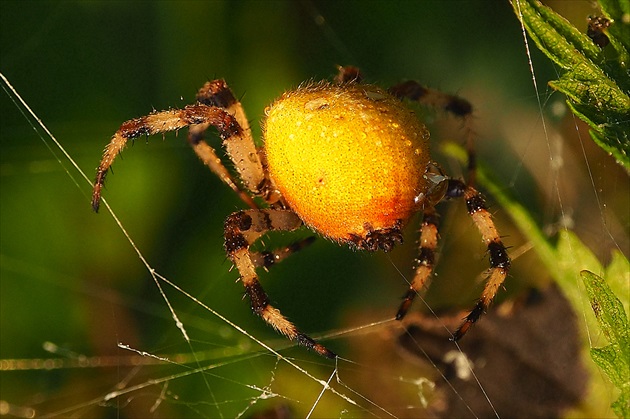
(349, 159)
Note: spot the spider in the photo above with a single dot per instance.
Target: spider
(349, 160)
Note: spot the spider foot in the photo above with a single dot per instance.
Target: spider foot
(404, 306)
(309, 343)
(471, 319)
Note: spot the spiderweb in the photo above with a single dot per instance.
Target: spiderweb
(138, 313)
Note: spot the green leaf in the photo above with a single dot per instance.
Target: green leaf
(607, 359)
(618, 11)
(609, 312)
(597, 87)
(620, 406)
(613, 359)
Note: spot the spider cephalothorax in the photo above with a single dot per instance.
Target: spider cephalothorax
(348, 160)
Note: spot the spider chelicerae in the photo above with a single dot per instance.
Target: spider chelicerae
(347, 159)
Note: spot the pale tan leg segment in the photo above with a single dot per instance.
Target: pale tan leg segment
(426, 260)
(499, 259)
(241, 230)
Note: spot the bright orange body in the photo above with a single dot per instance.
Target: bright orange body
(347, 159)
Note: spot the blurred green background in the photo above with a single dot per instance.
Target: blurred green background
(71, 278)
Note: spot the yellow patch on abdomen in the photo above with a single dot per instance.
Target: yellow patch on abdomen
(346, 158)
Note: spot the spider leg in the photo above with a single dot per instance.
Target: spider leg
(499, 259)
(240, 149)
(426, 260)
(243, 228)
(217, 93)
(348, 74)
(209, 157)
(452, 104)
(269, 258)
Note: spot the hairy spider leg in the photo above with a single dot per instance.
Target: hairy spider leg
(455, 105)
(348, 74)
(425, 261)
(217, 93)
(239, 147)
(499, 259)
(268, 258)
(243, 228)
